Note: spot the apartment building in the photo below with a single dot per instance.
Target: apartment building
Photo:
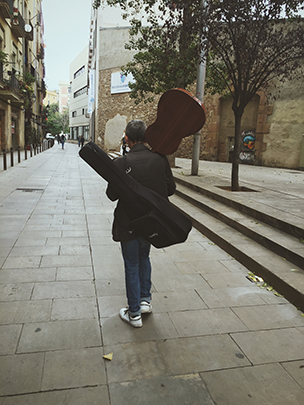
(79, 117)
(51, 97)
(22, 72)
(63, 95)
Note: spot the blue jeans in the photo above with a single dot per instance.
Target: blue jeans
(135, 253)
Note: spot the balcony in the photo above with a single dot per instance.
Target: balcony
(6, 8)
(18, 24)
(40, 51)
(9, 88)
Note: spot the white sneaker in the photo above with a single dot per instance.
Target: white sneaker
(132, 320)
(145, 307)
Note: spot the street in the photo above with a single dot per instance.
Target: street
(214, 337)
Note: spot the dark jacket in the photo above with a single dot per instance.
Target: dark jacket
(151, 170)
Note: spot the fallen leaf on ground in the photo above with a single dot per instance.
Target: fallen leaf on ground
(108, 356)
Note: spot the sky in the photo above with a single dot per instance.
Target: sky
(66, 34)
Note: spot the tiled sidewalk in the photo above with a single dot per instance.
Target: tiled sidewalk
(213, 337)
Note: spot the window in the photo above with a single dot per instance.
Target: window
(74, 114)
(83, 111)
(83, 90)
(79, 72)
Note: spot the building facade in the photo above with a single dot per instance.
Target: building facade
(63, 95)
(272, 124)
(22, 86)
(78, 108)
(51, 97)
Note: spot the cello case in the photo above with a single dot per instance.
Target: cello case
(152, 216)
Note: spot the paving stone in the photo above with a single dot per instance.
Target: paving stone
(22, 262)
(59, 335)
(76, 233)
(38, 251)
(74, 273)
(16, 292)
(31, 242)
(156, 327)
(110, 305)
(234, 266)
(195, 354)
(266, 384)
(75, 250)
(270, 316)
(64, 289)
(25, 235)
(27, 275)
(184, 282)
(73, 368)
(296, 370)
(231, 297)
(68, 240)
(66, 261)
(204, 255)
(103, 270)
(132, 361)
(90, 395)
(178, 390)
(13, 370)
(224, 280)
(25, 311)
(110, 286)
(270, 346)
(206, 322)
(201, 267)
(171, 301)
(74, 308)
(9, 337)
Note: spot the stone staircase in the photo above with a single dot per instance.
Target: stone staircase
(268, 243)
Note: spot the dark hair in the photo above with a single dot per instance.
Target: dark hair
(136, 130)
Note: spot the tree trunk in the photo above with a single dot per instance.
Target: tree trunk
(236, 152)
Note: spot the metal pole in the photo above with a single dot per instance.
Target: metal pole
(4, 160)
(200, 84)
(12, 157)
(25, 152)
(19, 154)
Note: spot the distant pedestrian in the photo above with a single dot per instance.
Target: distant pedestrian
(78, 141)
(82, 140)
(62, 138)
(58, 139)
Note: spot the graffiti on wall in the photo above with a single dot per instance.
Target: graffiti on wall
(247, 153)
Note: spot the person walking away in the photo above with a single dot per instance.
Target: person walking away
(153, 171)
(62, 140)
(82, 140)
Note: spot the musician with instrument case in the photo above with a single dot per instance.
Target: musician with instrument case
(142, 181)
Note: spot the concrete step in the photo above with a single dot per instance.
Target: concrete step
(279, 242)
(242, 202)
(281, 274)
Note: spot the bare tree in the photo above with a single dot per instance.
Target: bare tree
(252, 43)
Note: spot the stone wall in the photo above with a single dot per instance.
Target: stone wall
(283, 142)
(115, 110)
(278, 127)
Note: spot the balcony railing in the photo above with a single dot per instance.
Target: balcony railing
(14, 83)
(6, 8)
(18, 24)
